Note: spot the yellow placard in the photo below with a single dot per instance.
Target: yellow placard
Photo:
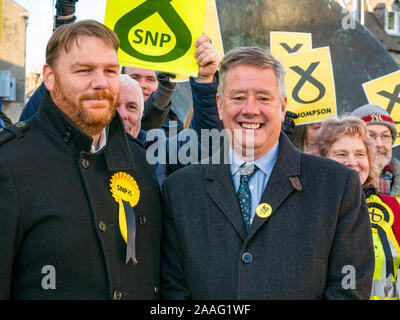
(180, 78)
(289, 42)
(157, 34)
(385, 92)
(310, 85)
(211, 28)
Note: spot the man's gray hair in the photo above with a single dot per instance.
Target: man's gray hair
(251, 56)
(131, 84)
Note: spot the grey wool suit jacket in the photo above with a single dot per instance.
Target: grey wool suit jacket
(316, 244)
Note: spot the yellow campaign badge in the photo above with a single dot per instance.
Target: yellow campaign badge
(157, 34)
(310, 85)
(125, 191)
(289, 42)
(385, 92)
(379, 214)
(264, 210)
(212, 29)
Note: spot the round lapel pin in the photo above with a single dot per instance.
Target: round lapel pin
(264, 210)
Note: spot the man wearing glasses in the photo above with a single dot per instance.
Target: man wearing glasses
(382, 132)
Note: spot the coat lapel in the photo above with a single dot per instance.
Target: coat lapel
(282, 182)
(222, 192)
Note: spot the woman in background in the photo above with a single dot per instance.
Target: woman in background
(345, 140)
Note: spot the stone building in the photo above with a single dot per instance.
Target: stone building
(12, 54)
(382, 18)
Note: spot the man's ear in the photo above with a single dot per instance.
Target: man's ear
(220, 107)
(283, 108)
(48, 77)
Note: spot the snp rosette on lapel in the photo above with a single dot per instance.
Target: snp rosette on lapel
(126, 193)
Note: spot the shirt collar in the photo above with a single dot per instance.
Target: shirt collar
(265, 163)
(102, 142)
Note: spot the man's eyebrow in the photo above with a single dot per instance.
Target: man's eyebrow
(80, 65)
(339, 150)
(89, 65)
(263, 91)
(384, 131)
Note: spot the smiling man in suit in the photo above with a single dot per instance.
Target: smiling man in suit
(273, 223)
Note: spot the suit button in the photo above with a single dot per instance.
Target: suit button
(247, 257)
(102, 226)
(142, 219)
(117, 295)
(85, 163)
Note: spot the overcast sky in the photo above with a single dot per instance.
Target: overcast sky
(40, 25)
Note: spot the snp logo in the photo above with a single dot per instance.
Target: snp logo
(49, 280)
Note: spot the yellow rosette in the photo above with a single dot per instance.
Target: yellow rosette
(126, 193)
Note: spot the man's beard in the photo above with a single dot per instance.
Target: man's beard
(87, 120)
(382, 158)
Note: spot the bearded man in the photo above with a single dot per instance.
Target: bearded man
(80, 213)
(382, 133)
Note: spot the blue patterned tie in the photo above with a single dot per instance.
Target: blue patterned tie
(244, 195)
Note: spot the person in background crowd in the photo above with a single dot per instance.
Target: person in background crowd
(188, 118)
(157, 92)
(298, 137)
(383, 133)
(203, 87)
(266, 225)
(69, 176)
(130, 105)
(303, 135)
(33, 104)
(312, 132)
(345, 140)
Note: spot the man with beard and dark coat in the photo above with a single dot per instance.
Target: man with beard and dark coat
(80, 207)
(383, 133)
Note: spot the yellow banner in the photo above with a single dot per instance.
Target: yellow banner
(310, 85)
(157, 34)
(289, 42)
(385, 92)
(212, 29)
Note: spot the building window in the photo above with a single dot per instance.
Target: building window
(392, 22)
